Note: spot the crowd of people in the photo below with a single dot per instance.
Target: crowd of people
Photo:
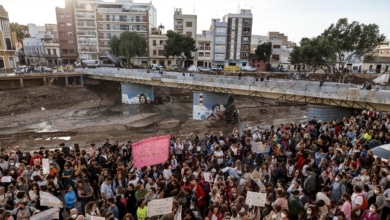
(316, 170)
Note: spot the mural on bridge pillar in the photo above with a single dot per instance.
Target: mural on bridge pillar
(209, 105)
(137, 94)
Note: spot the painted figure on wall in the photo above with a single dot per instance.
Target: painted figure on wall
(216, 113)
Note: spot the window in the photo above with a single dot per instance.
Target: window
(48, 52)
(67, 15)
(71, 42)
(161, 52)
(71, 51)
(201, 54)
(207, 54)
(64, 51)
(275, 46)
(11, 62)
(70, 34)
(68, 24)
(154, 42)
(2, 62)
(189, 34)
(188, 24)
(161, 42)
(154, 52)
(8, 43)
(153, 61)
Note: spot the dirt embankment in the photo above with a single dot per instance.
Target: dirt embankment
(49, 115)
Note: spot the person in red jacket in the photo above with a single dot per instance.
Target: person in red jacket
(214, 213)
(36, 159)
(198, 193)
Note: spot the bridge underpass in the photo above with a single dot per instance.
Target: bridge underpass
(309, 92)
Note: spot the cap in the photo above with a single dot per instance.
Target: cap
(213, 170)
(295, 192)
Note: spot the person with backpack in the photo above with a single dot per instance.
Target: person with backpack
(359, 202)
(22, 211)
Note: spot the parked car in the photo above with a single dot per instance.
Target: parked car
(370, 71)
(156, 67)
(21, 70)
(192, 68)
(47, 69)
(216, 68)
(172, 67)
(232, 68)
(249, 68)
(203, 69)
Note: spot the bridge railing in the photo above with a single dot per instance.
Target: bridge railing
(289, 87)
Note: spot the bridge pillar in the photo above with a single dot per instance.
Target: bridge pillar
(44, 81)
(136, 94)
(66, 81)
(209, 105)
(21, 83)
(327, 113)
(81, 81)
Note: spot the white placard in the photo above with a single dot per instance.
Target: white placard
(256, 199)
(160, 207)
(45, 166)
(257, 147)
(52, 213)
(225, 169)
(97, 218)
(49, 200)
(6, 179)
(208, 177)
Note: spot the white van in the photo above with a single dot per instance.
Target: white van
(87, 63)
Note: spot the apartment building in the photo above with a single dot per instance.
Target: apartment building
(117, 17)
(157, 40)
(219, 29)
(204, 54)
(7, 48)
(67, 32)
(187, 25)
(239, 36)
(279, 41)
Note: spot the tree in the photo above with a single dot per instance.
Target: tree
(178, 45)
(129, 44)
(337, 46)
(263, 52)
(20, 35)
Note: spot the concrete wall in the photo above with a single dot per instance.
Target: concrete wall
(327, 113)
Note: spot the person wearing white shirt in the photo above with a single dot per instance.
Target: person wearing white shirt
(218, 154)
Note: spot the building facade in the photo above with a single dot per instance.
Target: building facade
(157, 40)
(219, 29)
(187, 25)
(7, 47)
(204, 54)
(67, 32)
(239, 36)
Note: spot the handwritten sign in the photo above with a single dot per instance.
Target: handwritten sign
(52, 213)
(208, 177)
(50, 200)
(257, 147)
(151, 151)
(256, 199)
(97, 218)
(160, 206)
(45, 166)
(6, 179)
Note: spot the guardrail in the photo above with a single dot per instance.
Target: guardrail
(328, 90)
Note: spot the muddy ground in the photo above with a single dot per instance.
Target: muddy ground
(49, 115)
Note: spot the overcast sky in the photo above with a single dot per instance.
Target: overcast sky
(295, 18)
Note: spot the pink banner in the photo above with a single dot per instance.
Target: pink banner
(151, 151)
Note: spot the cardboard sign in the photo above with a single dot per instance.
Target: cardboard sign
(160, 207)
(151, 151)
(97, 218)
(52, 213)
(256, 199)
(257, 147)
(208, 177)
(6, 179)
(49, 200)
(45, 166)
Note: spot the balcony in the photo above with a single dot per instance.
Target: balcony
(247, 24)
(81, 50)
(246, 33)
(179, 26)
(81, 33)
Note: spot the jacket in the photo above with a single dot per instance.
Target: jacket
(69, 199)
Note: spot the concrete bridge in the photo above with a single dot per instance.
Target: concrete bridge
(310, 92)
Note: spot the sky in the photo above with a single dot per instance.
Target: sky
(294, 18)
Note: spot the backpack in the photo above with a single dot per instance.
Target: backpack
(123, 201)
(364, 204)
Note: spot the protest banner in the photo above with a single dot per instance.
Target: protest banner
(256, 177)
(151, 151)
(52, 213)
(257, 147)
(256, 199)
(97, 218)
(49, 200)
(6, 179)
(45, 166)
(160, 207)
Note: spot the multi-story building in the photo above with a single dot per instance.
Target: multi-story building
(34, 30)
(7, 48)
(219, 29)
(157, 40)
(204, 54)
(67, 32)
(34, 51)
(239, 36)
(257, 40)
(279, 56)
(186, 25)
